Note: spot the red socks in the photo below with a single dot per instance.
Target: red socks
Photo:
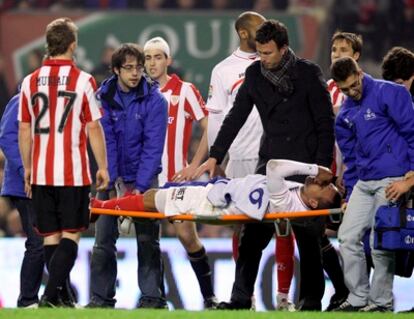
(285, 247)
(130, 202)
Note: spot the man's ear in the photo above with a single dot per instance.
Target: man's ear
(243, 34)
(313, 203)
(283, 50)
(356, 56)
(116, 71)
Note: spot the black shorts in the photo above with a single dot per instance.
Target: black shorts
(60, 208)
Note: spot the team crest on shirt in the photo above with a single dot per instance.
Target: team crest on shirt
(369, 115)
(174, 99)
(210, 91)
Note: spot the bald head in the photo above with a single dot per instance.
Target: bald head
(246, 25)
(247, 19)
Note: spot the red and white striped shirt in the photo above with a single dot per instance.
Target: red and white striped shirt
(185, 105)
(337, 98)
(59, 100)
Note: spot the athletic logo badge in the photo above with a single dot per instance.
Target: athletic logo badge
(369, 115)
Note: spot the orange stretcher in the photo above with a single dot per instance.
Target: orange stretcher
(221, 219)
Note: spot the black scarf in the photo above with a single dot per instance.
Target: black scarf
(279, 76)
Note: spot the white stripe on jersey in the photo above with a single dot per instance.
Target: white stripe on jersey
(58, 163)
(44, 122)
(180, 119)
(81, 84)
(184, 106)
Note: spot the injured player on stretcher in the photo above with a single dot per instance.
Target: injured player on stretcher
(253, 195)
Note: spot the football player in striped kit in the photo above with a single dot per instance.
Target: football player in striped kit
(58, 110)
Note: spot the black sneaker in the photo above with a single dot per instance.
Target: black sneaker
(374, 308)
(234, 305)
(336, 301)
(211, 303)
(347, 307)
(93, 305)
(150, 303)
(65, 298)
(97, 303)
(45, 302)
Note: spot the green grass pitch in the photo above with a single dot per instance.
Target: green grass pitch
(182, 314)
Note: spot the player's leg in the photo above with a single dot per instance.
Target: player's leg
(284, 251)
(187, 234)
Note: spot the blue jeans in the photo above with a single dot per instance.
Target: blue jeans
(104, 264)
(365, 199)
(31, 271)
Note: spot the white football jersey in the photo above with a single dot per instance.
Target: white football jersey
(226, 79)
(248, 195)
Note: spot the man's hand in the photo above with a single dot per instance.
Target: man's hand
(102, 180)
(27, 184)
(396, 189)
(339, 183)
(185, 174)
(324, 176)
(208, 166)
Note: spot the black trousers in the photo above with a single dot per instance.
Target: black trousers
(31, 271)
(255, 237)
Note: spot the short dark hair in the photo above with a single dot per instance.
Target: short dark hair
(398, 63)
(343, 68)
(273, 30)
(120, 54)
(334, 203)
(60, 34)
(352, 38)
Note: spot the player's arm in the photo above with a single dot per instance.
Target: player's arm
(188, 172)
(278, 170)
(97, 141)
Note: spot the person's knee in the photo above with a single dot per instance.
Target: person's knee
(52, 239)
(347, 238)
(190, 242)
(106, 232)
